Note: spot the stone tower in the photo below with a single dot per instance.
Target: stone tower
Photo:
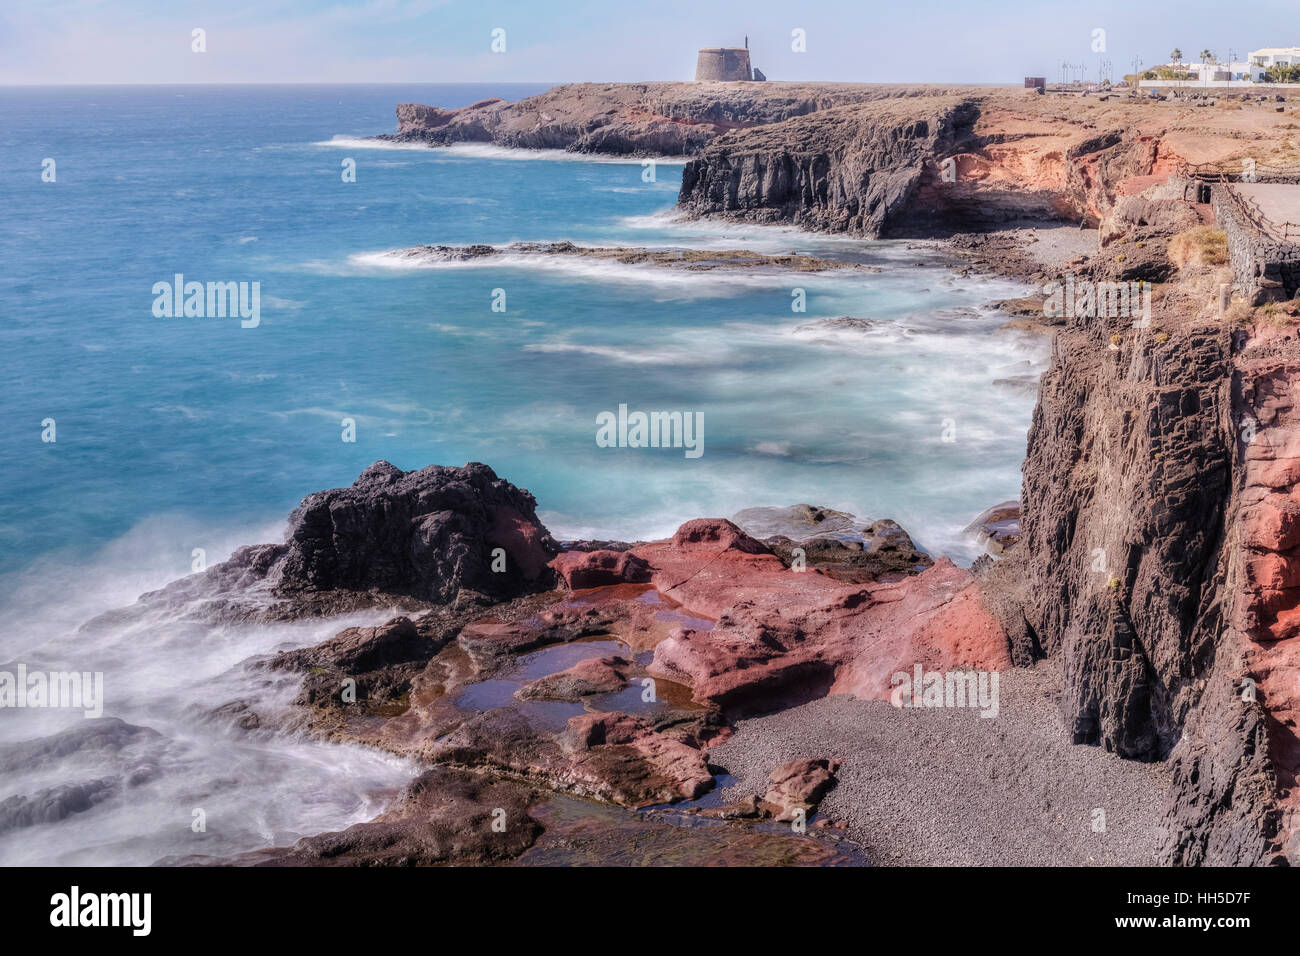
(722, 65)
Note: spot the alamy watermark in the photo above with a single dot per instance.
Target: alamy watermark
(213, 300)
(1087, 299)
(651, 430)
(133, 911)
(81, 690)
(972, 688)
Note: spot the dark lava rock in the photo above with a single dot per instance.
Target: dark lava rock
(104, 737)
(879, 550)
(381, 660)
(53, 803)
(445, 816)
(367, 648)
(411, 540)
(427, 533)
(998, 528)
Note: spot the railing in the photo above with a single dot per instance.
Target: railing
(1232, 171)
(1224, 175)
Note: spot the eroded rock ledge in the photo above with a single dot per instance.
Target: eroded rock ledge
(691, 260)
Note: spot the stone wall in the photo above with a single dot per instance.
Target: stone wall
(1263, 269)
(721, 65)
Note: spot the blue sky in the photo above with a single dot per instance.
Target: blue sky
(405, 41)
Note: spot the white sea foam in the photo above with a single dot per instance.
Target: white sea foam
(166, 673)
(363, 142)
(493, 151)
(750, 235)
(690, 283)
(639, 354)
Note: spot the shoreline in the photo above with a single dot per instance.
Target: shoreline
(840, 808)
(942, 787)
(1029, 249)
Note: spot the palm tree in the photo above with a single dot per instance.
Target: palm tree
(1176, 57)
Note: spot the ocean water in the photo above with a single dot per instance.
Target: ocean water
(177, 434)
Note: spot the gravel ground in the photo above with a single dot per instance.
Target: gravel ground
(1032, 252)
(1052, 246)
(946, 786)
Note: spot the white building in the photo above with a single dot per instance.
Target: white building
(1211, 73)
(1275, 56)
(1242, 70)
(1225, 75)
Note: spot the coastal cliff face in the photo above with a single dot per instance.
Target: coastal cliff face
(901, 167)
(1125, 572)
(1265, 577)
(848, 169)
(1125, 486)
(1159, 561)
(1159, 557)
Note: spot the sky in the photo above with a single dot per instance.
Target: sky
(444, 41)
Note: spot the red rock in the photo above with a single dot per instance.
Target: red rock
(714, 534)
(526, 542)
(596, 675)
(804, 633)
(595, 730)
(675, 765)
(1272, 571)
(614, 757)
(1273, 524)
(799, 785)
(592, 569)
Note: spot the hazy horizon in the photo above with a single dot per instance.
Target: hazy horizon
(313, 42)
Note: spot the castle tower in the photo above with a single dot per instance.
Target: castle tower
(723, 65)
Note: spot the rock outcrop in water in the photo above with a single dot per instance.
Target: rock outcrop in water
(689, 260)
(117, 756)
(430, 533)
(391, 539)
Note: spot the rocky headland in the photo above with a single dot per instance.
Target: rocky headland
(882, 159)
(631, 119)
